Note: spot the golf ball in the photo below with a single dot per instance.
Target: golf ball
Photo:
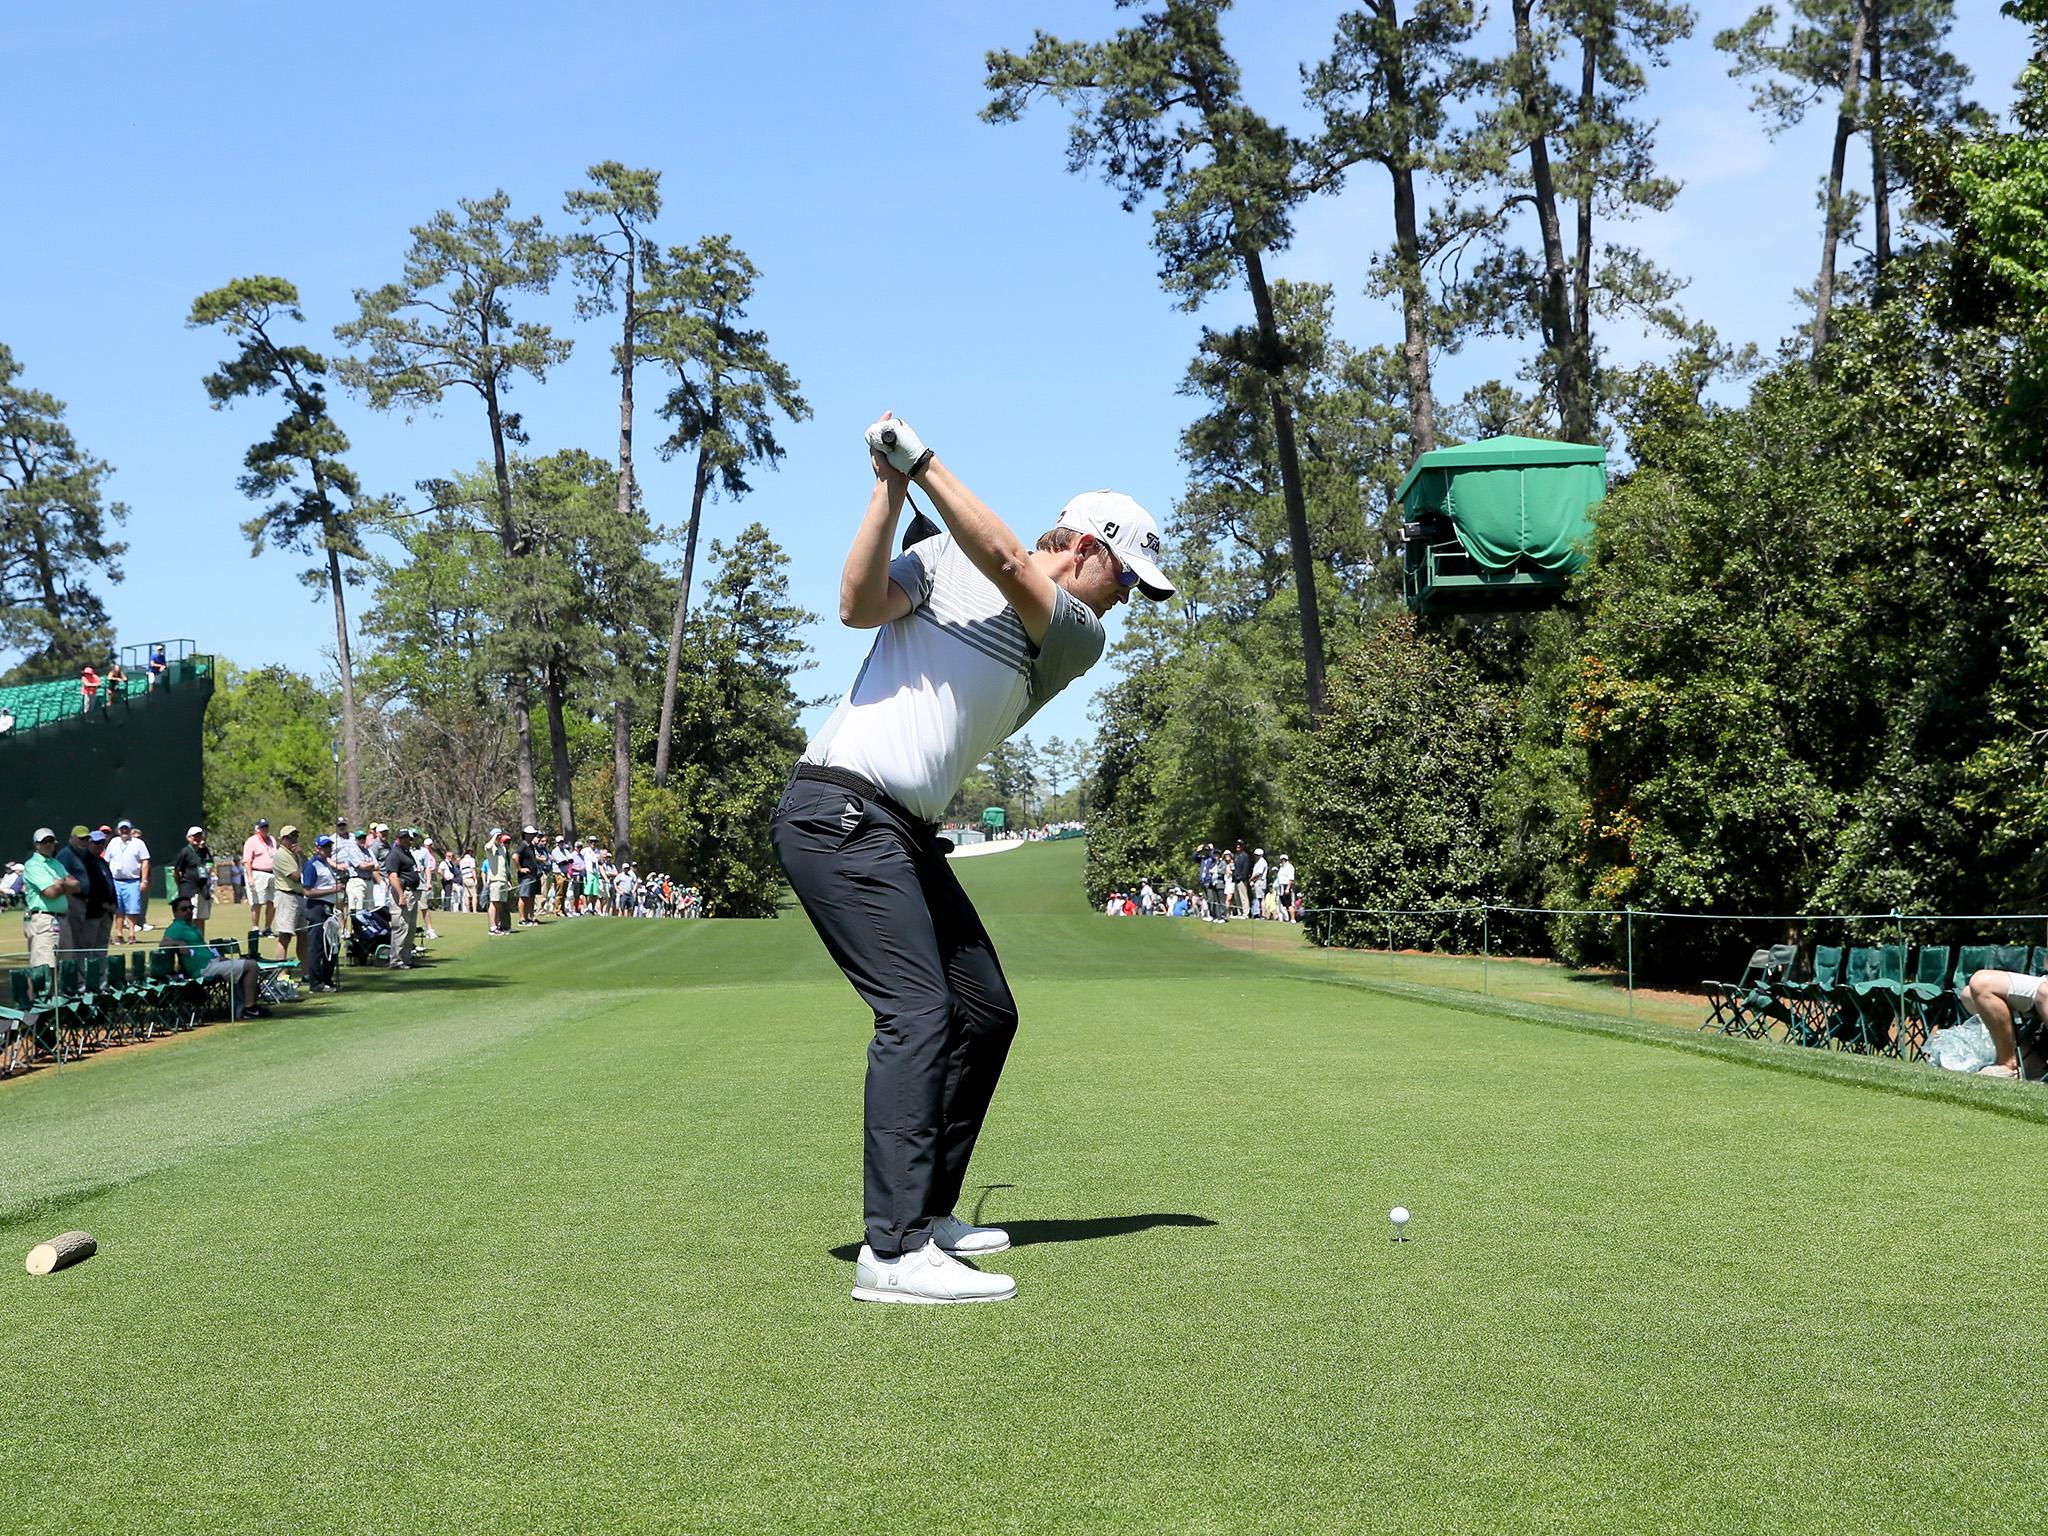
(1398, 1215)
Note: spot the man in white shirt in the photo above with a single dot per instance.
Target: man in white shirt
(975, 633)
(1283, 888)
(128, 863)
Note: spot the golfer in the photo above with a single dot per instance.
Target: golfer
(976, 633)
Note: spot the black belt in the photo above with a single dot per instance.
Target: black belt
(847, 779)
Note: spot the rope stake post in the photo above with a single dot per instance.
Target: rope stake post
(1631, 962)
(1485, 954)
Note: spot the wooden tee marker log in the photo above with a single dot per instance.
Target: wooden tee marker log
(60, 1252)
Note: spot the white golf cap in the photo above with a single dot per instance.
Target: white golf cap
(1128, 529)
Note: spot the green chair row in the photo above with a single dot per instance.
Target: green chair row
(1858, 998)
(78, 1005)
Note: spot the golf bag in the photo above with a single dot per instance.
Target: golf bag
(368, 932)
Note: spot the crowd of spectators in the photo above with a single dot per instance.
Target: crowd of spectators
(92, 891)
(1229, 883)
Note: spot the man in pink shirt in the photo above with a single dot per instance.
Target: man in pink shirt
(256, 875)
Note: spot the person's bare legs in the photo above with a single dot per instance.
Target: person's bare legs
(1984, 997)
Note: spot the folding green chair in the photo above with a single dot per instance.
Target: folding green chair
(77, 1009)
(273, 977)
(1736, 1005)
(1843, 1025)
(183, 996)
(1806, 1001)
(1929, 1003)
(14, 1041)
(1881, 1001)
(35, 994)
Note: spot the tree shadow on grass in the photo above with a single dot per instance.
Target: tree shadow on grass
(1079, 1229)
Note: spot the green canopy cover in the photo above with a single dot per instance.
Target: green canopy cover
(1511, 498)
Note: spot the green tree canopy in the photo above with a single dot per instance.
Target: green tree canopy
(56, 536)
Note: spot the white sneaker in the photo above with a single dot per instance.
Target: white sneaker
(966, 1241)
(929, 1275)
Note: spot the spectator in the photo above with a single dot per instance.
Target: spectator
(287, 915)
(116, 680)
(148, 882)
(469, 884)
(259, 875)
(48, 888)
(320, 888)
(6, 720)
(430, 870)
(158, 666)
(1283, 888)
(88, 688)
(194, 874)
(1148, 903)
(90, 917)
(501, 880)
(402, 877)
(352, 859)
(189, 941)
(376, 846)
(1241, 881)
(2003, 1000)
(1258, 882)
(529, 858)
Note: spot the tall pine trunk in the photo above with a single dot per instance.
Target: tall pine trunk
(1408, 252)
(1845, 125)
(622, 781)
(552, 688)
(522, 689)
(1302, 551)
(622, 761)
(1873, 119)
(1582, 255)
(675, 632)
(1555, 310)
(351, 770)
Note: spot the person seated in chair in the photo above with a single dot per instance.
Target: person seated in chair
(202, 963)
(2004, 1000)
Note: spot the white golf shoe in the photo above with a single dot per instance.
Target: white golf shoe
(929, 1276)
(965, 1241)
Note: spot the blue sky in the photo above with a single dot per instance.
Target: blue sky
(912, 257)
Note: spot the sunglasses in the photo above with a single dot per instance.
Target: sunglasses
(1125, 576)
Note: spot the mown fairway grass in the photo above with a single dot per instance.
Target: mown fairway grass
(543, 1239)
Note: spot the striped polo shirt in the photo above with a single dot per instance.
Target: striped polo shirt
(952, 679)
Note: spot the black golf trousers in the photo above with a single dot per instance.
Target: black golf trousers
(876, 886)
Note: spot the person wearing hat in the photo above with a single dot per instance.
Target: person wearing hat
(194, 873)
(89, 918)
(527, 851)
(287, 919)
(376, 845)
(49, 889)
(975, 633)
(1258, 882)
(501, 879)
(319, 887)
(430, 864)
(1283, 887)
(128, 863)
(402, 883)
(352, 858)
(259, 874)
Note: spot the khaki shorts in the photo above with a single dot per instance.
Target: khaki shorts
(202, 907)
(44, 931)
(262, 886)
(286, 919)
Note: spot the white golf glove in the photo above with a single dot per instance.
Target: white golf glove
(897, 442)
